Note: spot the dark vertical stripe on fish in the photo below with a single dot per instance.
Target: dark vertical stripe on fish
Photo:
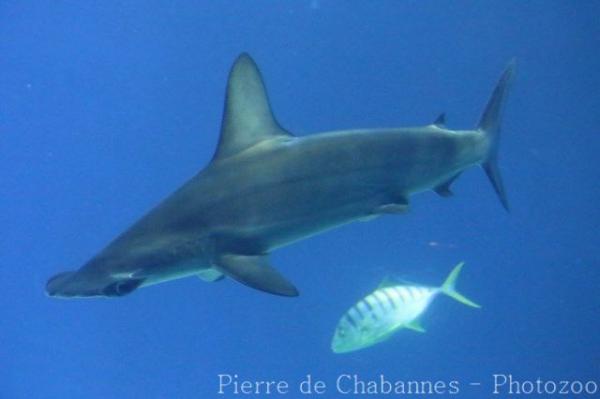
(390, 298)
(403, 292)
(366, 302)
(351, 320)
(381, 300)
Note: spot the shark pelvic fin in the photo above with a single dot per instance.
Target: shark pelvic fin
(247, 118)
(255, 271)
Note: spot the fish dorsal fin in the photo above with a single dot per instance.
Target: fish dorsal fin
(247, 118)
(440, 121)
(389, 281)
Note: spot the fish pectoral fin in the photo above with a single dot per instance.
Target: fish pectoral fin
(255, 271)
(415, 325)
(210, 275)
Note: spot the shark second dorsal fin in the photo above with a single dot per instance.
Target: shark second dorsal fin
(247, 118)
(440, 121)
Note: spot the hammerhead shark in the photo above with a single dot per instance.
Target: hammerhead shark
(266, 188)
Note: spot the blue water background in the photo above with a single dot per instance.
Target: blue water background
(107, 107)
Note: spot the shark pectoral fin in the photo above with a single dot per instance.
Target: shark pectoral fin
(415, 325)
(210, 275)
(255, 271)
(444, 189)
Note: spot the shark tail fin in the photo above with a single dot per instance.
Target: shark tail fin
(489, 124)
(449, 287)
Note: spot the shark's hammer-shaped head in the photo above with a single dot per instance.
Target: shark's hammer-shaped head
(90, 282)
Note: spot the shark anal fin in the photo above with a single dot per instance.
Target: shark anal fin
(444, 189)
(255, 271)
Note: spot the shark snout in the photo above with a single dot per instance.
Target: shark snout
(75, 284)
(81, 285)
(57, 284)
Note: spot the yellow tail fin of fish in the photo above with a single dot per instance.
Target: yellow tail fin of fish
(449, 287)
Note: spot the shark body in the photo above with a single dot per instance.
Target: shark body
(266, 188)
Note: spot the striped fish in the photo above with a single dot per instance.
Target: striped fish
(388, 309)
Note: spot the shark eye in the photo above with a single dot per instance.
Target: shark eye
(120, 288)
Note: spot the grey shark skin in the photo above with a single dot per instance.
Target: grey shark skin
(265, 189)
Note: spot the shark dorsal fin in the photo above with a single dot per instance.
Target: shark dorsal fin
(440, 121)
(247, 118)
